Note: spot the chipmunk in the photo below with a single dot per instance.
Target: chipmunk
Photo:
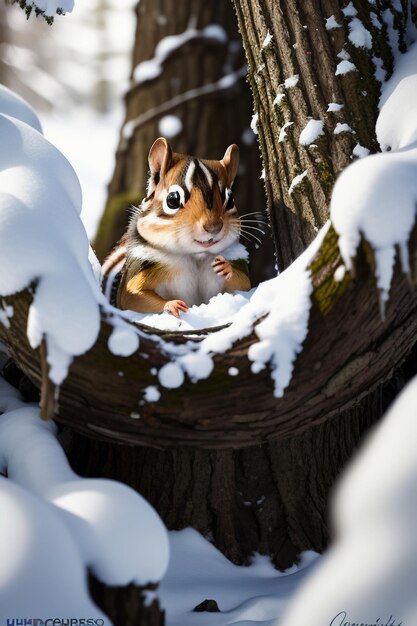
(182, 244)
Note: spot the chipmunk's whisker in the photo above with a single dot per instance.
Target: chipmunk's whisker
(254, 222)
(254, 228)
(253, 213)
(249, 234)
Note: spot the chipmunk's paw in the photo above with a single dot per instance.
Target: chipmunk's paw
(175, 307)
(222, 267)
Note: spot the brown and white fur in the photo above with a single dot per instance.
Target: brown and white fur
(183, 249)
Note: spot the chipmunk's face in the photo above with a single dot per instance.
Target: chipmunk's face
(189, 208)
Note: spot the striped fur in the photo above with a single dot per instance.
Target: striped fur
(187, 220)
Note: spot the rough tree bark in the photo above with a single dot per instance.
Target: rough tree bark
(302, 46)
(202, 81)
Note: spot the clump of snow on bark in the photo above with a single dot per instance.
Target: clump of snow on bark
(171, 376)
(267, 41)
(340, 273)
(152, 68)
(52, 7)
(344, 67)
(360, 151)
(296, 181)
(349, 10)
(334, 107)
(331, 23)
(291, 81)
(123, 341)
(380, 72)
(109, 527)
(6, 313)
(359, 36)
(342, 128)
(151, 393)
(283, 132)
(279, 98)
(377, 196)
(254, 123)
(311, 131)
(43, 241)
(170, 126)
(375, 21)
(389, 21)
(375, 517)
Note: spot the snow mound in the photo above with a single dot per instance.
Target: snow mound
(118, 535)
(375, 513)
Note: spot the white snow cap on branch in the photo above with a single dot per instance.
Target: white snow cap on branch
(377, 196)
(42, 239)
(52, 7)
(370, 572)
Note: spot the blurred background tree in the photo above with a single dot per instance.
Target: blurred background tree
(76, 72)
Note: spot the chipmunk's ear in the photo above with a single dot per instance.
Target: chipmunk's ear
(160, 157)
(230, 162)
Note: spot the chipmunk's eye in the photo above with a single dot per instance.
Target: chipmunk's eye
(174, 200)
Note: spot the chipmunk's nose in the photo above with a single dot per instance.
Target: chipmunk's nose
(213, 227)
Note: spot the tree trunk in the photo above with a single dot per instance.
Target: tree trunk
(302, 46)
(202, 83)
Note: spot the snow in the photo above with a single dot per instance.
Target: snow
(349, 10)
(152, 68)
(267, 41)
(52, 7)
(360, 151)
(13, 105)
(296, 181)
(370, 571)
(233, 371)
(6, 312)
(339, 273)
(380, 72)
(283, 132)
(123, 341)
(342, 128)
(333, 107)
(344, 67)
(171, 376)
(41, 572)
(291, 81)
(311, 132)
(170, 126)
(152, 394)
(104, 525)
(254, 123)
(377, 195)
(253, 595)
(279, 98)
(331, 23)
(359, 36)
(42, 239)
